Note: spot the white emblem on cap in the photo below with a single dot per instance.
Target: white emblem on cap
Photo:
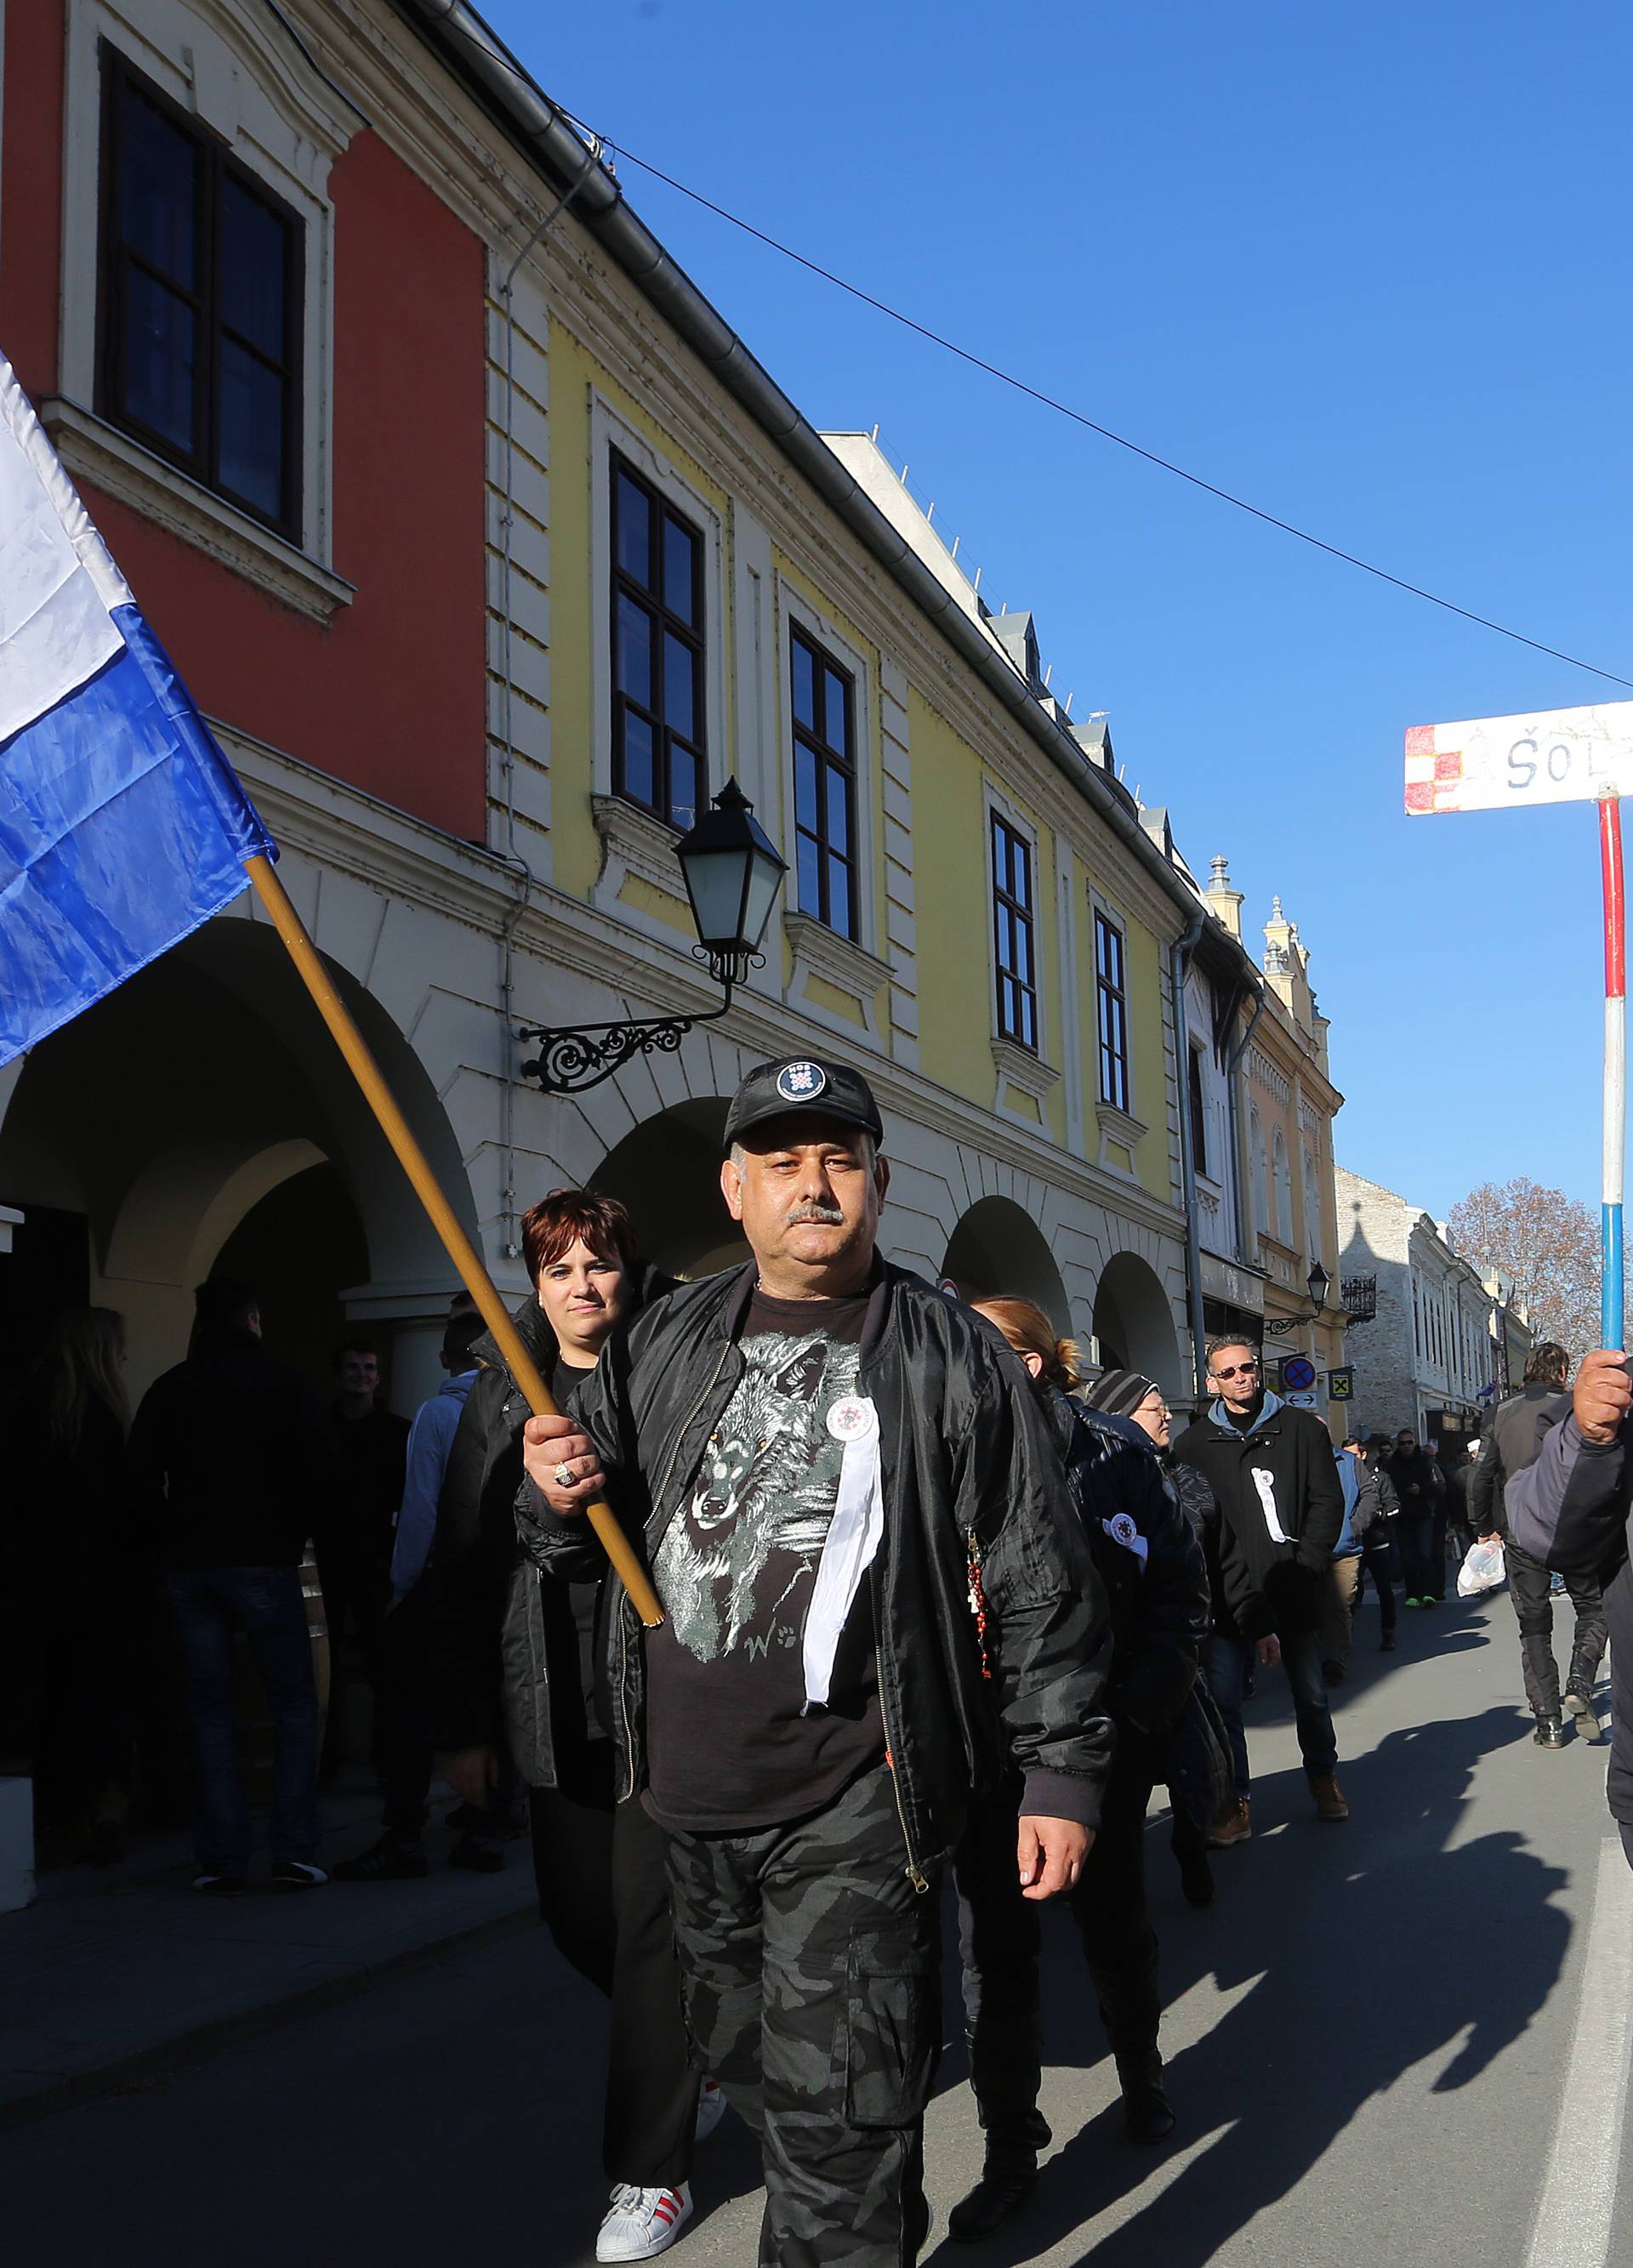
(798, 1082)
(851, 1419)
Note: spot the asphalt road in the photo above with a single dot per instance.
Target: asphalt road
(1378, 2041)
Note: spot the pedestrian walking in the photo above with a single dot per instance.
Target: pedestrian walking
(1281, 1511)
(402, 1652)
(1151, 1565)
(368, 1448)
(1415, 1480)
(1197, 1759)
(1460, 1529)
(1376, 1517)
(1570, 1507)
(878, 1598)
(1343, 1583)
(74, 1584)
(515, 1660)
(227, 1456)
(1513, 1442)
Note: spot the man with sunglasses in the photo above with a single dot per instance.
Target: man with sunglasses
(1282, 1510)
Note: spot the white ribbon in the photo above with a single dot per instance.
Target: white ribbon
(1265, 1482)
(848, 1553)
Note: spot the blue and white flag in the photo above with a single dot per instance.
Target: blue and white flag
(122, 826)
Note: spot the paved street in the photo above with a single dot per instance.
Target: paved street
(1370, 2039)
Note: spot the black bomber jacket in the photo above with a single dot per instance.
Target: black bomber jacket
(970, 1471)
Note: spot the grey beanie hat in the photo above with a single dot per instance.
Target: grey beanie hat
(1119, 1392)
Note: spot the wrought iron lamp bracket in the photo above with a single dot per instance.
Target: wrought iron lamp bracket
(574, 1058)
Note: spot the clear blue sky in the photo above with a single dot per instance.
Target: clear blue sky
(1367, 266)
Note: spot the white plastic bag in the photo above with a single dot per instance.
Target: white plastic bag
(1483, 1571)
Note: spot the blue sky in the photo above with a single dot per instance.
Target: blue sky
(1365, 266)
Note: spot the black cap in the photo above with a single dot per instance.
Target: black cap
(773, 1090)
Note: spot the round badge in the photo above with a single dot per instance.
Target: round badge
(850, 1417)
(1124, 1531)
(799, 1082)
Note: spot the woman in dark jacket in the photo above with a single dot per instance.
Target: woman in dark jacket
(1152, 1567)
(513, 1651)
(73, 1582)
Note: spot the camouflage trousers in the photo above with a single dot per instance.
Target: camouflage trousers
(810, 1967)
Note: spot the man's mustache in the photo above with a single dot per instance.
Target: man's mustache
(821, 1216)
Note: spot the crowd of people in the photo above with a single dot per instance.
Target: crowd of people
(934, 1604)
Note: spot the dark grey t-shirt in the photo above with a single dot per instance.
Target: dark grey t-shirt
(729, 1744)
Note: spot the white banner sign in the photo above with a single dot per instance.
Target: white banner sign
(1492, 763)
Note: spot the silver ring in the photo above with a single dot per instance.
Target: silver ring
(565, 1476)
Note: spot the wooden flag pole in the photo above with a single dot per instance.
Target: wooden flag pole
(460, 1250)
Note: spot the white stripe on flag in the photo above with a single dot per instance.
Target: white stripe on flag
(57, 583)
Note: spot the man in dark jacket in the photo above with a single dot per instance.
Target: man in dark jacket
(1418, 1482)
(230, 1529)
(1513, 1441)
(1571, 1508)
(1280, 1512)
(874, 1584)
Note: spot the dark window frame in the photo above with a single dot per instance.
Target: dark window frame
(1018, 983)
(1199, 1122)
(649, 597)
(1110, 978)
(829, 759)
(115, 259)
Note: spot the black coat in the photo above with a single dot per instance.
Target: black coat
(1271, 1586)
(969, 1464)
(1158, 1595)
(229, 1464)
(509, 1657)
(1513, 1437)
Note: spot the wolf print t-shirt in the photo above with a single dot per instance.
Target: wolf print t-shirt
(730, 1746)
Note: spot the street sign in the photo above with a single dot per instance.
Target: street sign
(1299, 1373)
(1495, 763)
(1301, 1400)
(1341, 1384)
(1554, 756)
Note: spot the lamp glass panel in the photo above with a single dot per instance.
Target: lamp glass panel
(714, 879)
(763, 886)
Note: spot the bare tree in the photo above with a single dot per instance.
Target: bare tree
(1546, 1245)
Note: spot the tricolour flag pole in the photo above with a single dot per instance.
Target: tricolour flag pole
(351, 1043)
(1611, 1318)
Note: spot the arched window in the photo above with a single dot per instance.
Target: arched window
(1262, 1189)
(1284, 1190)
(1312, 1207)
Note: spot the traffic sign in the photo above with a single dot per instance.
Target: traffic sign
(1341, 1384)
(1299, 1373)
(1301, 1400)
(1492, 763)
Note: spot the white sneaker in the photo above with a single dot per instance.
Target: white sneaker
(711, 2109)
(642, 2223)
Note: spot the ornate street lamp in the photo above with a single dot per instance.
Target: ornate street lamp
(1317, 1283)
(732, 874)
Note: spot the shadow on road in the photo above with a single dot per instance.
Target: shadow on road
(1363, 1952)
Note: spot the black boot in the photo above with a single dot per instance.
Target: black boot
(1146, 2111)
(1550, 1733)
(1006, 2180)
(1579, 1686)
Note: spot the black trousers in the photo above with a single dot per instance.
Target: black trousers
(1529, 1584)
(403, 1708)
(811, 1975)
(999, 1939)
(604, 1895)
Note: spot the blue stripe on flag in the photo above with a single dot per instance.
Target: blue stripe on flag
(122, 827)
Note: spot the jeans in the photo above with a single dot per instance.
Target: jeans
(1228, 1660)
(1377, 1562)
(604, 1895)
(1419, 1574)
(211, 1603)
(999, 1940)
(1528, 1582)
(811, 1981)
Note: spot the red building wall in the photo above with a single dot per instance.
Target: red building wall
(390, 694)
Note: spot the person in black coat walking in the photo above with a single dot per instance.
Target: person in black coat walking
(1151, 1563)
(1513, 1442)
(1282, 1510)
(512, 1654)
